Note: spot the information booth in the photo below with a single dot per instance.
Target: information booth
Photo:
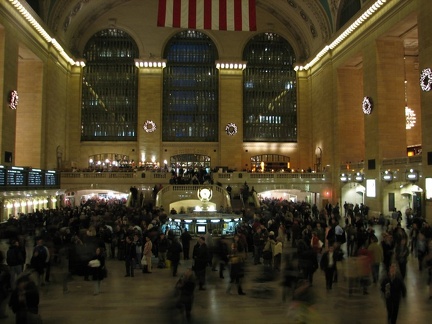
(200, 223)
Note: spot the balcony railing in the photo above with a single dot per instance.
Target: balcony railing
(408, 162)
(149, 177)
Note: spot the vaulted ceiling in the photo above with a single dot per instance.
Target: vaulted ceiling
(309, 23)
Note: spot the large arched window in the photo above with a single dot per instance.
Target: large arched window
(269, 90)
(190, 92)
(110, 87)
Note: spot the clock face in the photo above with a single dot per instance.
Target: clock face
(204, 194)
(426, 79)
(367, 105)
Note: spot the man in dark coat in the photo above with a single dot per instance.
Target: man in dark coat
(393, 289)
(200, 256)
(185, 239)
(328, 265)
(174, 252)
(185, 287)
(236, 263)
(15, 259)
(130, 256)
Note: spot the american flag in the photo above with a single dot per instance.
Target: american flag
(233, 15)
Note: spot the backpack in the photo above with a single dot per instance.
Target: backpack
(342, 237)
(42, 253)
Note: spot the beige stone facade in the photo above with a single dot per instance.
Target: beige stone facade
(375, 60)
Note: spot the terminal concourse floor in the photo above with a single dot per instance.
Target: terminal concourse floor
(146, 298)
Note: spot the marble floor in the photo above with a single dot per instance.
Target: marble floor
(148, 298)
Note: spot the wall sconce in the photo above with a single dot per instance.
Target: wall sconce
(359, 177)
(318, 156)
(344, 177)
(412, 175)
(387, 176)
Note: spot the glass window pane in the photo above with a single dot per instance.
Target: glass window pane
(190, 101)
(269, 90)
(110, 88)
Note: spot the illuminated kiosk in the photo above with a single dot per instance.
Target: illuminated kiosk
(204, 217)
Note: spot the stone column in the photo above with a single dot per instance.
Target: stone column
(150, 114)
(231, 112)
(384, 128)
(8, 81)
(425, 61)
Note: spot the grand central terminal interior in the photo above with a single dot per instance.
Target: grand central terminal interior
(315, 100)
(321, 101)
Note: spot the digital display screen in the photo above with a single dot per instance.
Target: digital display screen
(428, 182)
(201, 229)
(2, 177)
(16, 178)
(370, 188)
(35, 178)
(50, 179)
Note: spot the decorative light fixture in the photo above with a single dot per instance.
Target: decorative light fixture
(367, 105)
(149, 126)
(230, 65)
(359, 177)
(318, 156)
(344, 177)
(231, 129)
(387, 176)
(426, 79)
(410, 116)
(412, 175)
(158, 64)
(13, 99)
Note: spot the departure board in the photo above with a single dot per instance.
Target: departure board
(16, 178)
(35, 178)
(2, 177)
(50, 179)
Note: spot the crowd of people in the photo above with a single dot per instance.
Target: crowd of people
(289, 240)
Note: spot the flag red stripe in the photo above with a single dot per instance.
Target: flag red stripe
(161, 13)
(211, 14)
(207, 14)
(252, 15)
(238, 15)
(192, 14)
(222, 15)
(177, 13)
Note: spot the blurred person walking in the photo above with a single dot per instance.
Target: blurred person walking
(97, 270)
(236, 264)
(393, 289)
(15, 259)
